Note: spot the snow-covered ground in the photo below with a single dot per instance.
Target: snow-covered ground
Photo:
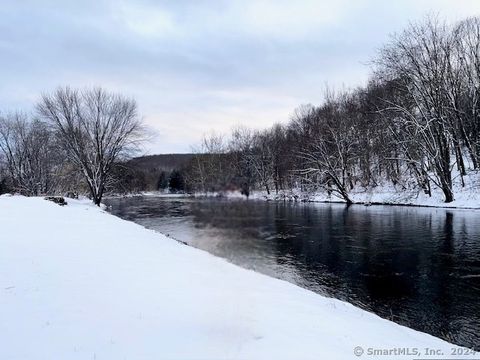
(387, 195)
(467, 195)
(78, 283)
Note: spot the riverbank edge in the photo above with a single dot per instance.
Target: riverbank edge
(469, 204)
(334, 306)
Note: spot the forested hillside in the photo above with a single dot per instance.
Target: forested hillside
(414, 127)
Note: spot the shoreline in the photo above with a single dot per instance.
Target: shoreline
(181, 293)
(261, 196)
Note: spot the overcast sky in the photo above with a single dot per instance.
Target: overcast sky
(200, 65)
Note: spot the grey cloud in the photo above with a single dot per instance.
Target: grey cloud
(203, 64)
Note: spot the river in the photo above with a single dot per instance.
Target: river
(419, 267)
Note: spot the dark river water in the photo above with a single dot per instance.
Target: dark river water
(419, 267)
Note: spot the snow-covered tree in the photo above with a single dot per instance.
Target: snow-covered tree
(27, 149)
(95, 128)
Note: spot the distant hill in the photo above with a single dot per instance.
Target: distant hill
(161, 162)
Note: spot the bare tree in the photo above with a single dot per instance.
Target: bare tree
(27, 149)
(95, 128)
(260, 158)
(210, 168)
(465, 94)
(240, 148)
(419, 61)
(330, 144)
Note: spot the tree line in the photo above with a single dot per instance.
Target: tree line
(74, 142)
(415, 124)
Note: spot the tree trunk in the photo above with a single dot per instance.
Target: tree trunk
(267, 188)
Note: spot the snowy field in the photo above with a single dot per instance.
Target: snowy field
(78, 283)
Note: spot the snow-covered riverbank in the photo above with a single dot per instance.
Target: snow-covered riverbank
(78, 283)
(465, 198)
(381, 196)
(466, 194)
